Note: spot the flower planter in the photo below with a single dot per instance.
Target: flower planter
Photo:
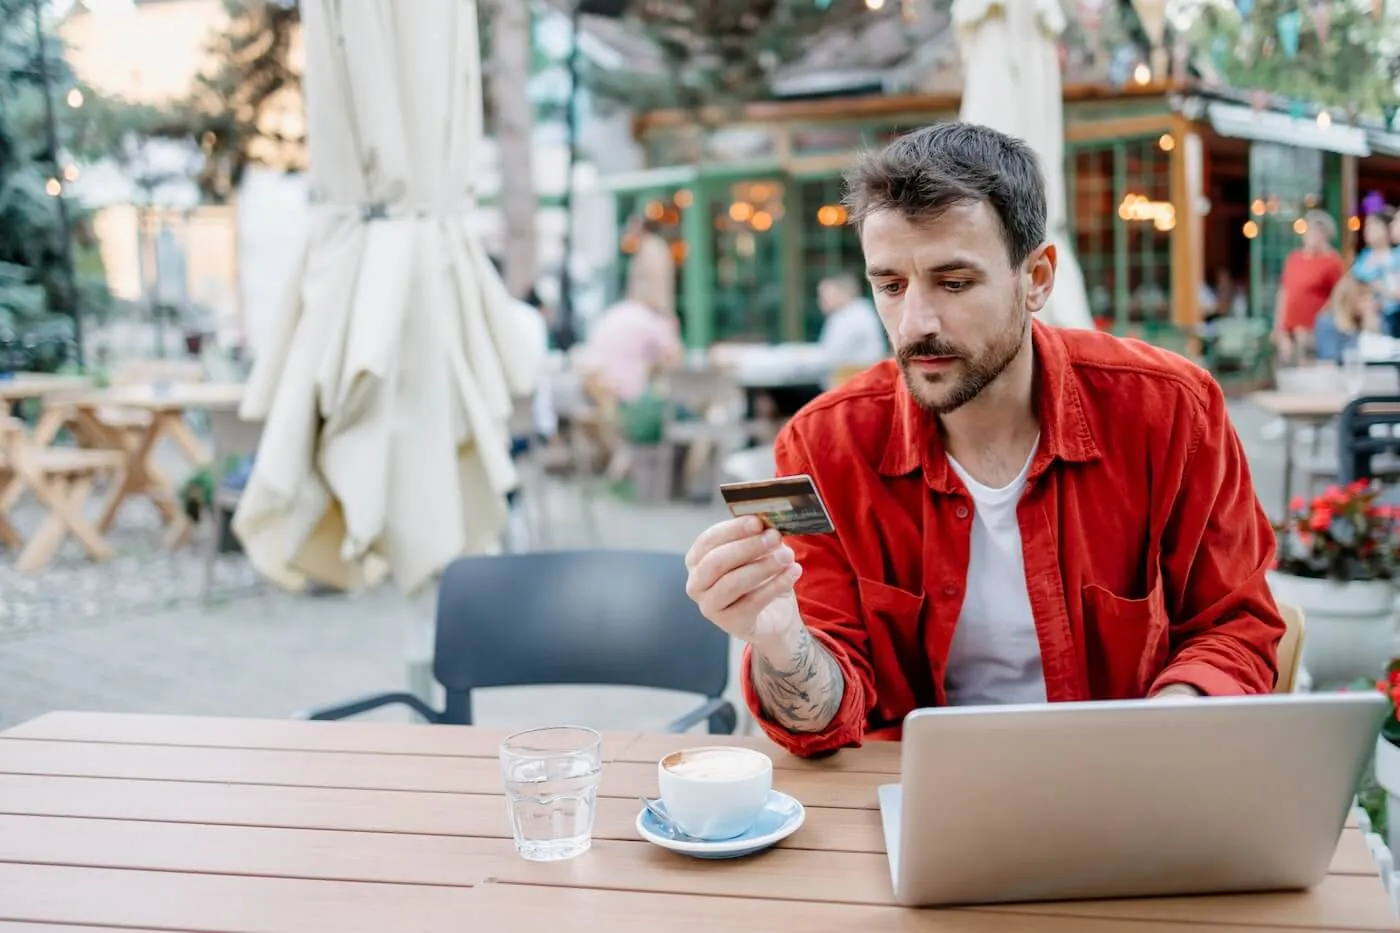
(1387, 771)
(1350, 626)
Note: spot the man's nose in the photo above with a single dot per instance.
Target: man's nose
(919, 318)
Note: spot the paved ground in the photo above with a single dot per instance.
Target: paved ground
(134, 635)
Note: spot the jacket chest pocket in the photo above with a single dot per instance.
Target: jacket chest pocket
(894, 629)
(1126, 641)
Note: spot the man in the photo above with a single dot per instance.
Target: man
(1023, 513)
(851, 334)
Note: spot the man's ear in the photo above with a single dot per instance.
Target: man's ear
(1040, 270)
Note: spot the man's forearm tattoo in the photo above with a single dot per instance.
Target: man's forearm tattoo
(803, 694)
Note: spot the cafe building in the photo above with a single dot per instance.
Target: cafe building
(1183, 202)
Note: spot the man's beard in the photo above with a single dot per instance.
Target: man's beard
(977, 372)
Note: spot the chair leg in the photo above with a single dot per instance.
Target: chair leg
(724, 721)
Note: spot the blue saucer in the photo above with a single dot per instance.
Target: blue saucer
(780, 817)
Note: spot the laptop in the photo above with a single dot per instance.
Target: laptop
(1124, 798)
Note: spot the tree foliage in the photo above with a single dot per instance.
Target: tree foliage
(719, 51)
(36, 303)
(1345, 56)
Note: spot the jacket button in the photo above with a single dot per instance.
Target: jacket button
(949, 589)
(961, 511)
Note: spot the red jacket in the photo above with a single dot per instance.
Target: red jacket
(1145, 547)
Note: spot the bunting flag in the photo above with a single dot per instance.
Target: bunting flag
(1295, 109)
(1390, 110)
(1289, 29)
(1245, 7)
(1322, 19)
(1153, 16)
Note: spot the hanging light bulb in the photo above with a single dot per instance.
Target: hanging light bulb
(874, 4)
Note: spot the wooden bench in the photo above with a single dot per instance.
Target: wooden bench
(60, 479)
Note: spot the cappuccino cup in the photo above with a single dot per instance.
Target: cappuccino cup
(715, 792)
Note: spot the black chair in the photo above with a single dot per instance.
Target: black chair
(1362, 454)
(597, 617)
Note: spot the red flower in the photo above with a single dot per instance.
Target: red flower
(1321, 519)
(1296, 505)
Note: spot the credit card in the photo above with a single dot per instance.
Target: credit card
(790, 504)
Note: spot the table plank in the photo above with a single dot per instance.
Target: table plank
(537, 909)
(1341, 902)
(26, 927)
(287, 735)
(364, 771)
(229, 903)
(1301, 405)
(324, 855)
(358, 810)
(861, 878)
(826, 829)
(399, 739)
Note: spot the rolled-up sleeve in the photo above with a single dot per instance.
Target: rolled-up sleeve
(828, 601)
(1217, 547)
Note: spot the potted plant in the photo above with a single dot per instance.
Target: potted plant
(1337, 558)
(1379, 794)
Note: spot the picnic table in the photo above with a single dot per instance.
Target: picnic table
(161, 408)
(175, 823)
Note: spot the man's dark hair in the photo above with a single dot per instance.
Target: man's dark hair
(923, 174)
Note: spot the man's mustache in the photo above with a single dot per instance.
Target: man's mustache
(928, 346)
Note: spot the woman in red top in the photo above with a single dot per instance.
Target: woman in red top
(1310, 274)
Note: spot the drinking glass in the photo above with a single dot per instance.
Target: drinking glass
(551, 779)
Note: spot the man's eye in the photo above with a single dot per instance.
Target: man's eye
(957, 285)
(891, 288)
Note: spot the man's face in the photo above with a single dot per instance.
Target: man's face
(955, 310)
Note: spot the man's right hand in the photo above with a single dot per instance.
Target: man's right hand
(741, 577)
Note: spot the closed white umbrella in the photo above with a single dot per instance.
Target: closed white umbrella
(386, 390)
(1011, 82)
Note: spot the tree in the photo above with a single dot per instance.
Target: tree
(38, 306)
(230, 111)
(721, 51)
(1336, 54)
(510, 53)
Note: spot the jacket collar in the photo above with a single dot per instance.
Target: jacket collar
(915, 441)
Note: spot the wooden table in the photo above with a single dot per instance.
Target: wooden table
(165, 407)
(19, 387)
(1315, 409)
(257, 826)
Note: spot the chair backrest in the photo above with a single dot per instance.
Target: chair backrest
(1356, 444)
(596, 617)
(1290, 648)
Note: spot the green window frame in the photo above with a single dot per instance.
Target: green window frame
(1121, 218)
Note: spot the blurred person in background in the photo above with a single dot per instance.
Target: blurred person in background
(852, 334)
(1378, 266)
(626, 346)
(651, 274)
(1351, 311)
(543, 421)
(1310, 273)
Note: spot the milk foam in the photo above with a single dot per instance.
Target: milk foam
(716, 764)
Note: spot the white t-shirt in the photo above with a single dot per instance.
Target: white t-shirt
(995, 654)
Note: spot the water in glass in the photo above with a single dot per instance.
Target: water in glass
(551, 783)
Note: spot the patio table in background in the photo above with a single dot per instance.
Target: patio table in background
(167, 405)
(155, 822)
(1314, 409)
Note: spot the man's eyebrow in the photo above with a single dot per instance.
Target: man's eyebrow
(943, 268)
